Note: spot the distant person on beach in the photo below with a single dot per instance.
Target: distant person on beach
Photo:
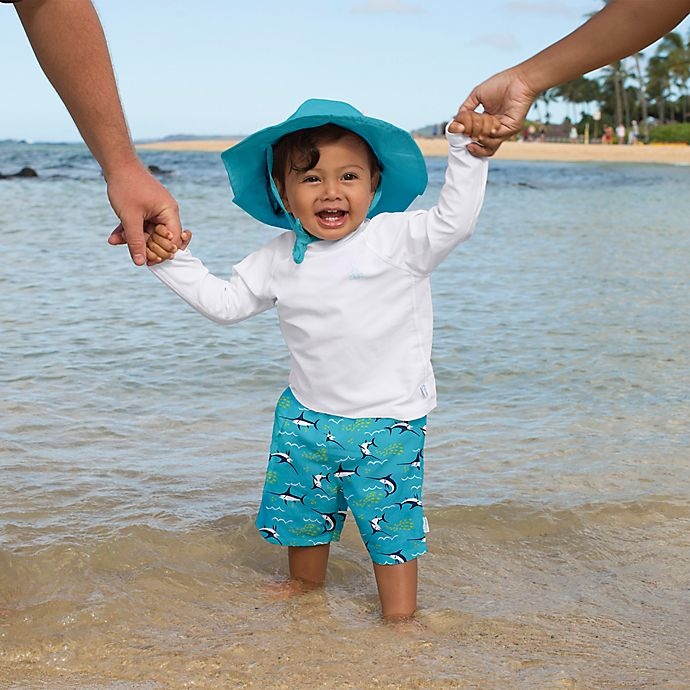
(351, 283)
(633, 133)
(68, 40)
(620, 133)
(622, 28)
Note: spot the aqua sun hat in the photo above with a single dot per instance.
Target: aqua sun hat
(249, 163)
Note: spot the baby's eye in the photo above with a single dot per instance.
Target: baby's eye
(350, 176)
(310, 178)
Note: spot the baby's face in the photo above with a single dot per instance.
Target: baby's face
(332, 199)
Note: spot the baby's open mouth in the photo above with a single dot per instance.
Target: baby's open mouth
(331, 215)
(332, 218)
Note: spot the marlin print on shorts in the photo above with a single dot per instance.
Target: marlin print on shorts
(421, 539)
(417, 462)
(270, 533)
(288, 497)
(364, 449)
(402, 427)
(318, 479)
(397, 556)
(375, 524)
(388, 482)
(328, 518)
(331, 439)
(284, 457)
(412, 502)
(341, 473)
(300, 422)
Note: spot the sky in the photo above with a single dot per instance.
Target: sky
(229, 67)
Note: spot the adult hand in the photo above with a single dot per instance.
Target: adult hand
(508, 97)
(480, 127)
(139, 199)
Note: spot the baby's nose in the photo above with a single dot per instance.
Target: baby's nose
(331, 189)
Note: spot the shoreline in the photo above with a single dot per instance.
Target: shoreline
(671, 154)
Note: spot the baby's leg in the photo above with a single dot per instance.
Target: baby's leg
(302, 506)
(397, 585)
(308, 564)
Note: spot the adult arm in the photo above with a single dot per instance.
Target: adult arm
(622, 28)
(68, 40)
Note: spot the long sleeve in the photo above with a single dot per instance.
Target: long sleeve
(222, 301)
(423, 239)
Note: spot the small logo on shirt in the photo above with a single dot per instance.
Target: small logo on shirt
(354, 274)
(424, 390)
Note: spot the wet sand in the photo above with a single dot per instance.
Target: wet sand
(518, 604)
(676, 154)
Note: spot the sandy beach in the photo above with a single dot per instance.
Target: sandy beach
(675, 154)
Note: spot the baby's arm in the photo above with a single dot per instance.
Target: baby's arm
(159, 244)
(420, 240)
(222, 301)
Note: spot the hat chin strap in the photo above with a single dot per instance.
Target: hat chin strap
(375, 200)
(302, 237)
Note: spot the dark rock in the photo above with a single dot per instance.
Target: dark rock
(24, 172)
(158, 171)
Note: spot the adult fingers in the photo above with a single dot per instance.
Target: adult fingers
(472, 102)
(484, 149)
(134, 234)
(117, 236)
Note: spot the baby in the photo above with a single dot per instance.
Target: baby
(350, 280)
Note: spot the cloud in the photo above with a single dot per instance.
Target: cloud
(561, 8)
(504, 42)
(387, 7)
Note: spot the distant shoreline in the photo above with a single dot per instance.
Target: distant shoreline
(674, 154)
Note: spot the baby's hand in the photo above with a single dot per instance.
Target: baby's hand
(481, 127)
(159, 244)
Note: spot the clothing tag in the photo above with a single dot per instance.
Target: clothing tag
(425, 522)
(424, 390)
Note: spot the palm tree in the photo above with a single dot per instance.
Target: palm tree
(580, 90)
(659, 84)
(642, 97)
(545, 97)
(676, 55)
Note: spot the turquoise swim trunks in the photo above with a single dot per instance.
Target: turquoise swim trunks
(321, 464)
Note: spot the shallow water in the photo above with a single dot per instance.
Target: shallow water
(133, 435)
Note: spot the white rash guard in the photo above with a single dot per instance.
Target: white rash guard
(356, 314)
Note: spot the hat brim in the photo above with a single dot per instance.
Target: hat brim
(404, 174)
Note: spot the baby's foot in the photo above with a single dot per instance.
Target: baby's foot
(280, 590)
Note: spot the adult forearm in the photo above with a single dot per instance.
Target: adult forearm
(68, 40)
(622, 28)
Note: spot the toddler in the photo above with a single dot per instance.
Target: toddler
(350, 279)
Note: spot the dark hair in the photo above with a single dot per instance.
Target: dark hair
(299, 150)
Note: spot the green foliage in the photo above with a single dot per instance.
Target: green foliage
(670, 134)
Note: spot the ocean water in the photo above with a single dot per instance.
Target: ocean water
(133, 439)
